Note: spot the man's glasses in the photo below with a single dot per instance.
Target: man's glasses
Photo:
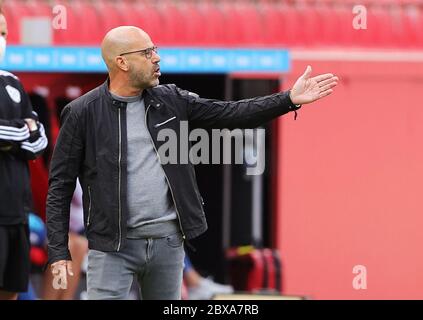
(148, 53)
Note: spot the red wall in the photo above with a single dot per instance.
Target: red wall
(350, 184)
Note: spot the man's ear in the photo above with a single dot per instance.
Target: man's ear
(122, 63)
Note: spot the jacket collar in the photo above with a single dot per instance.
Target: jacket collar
(147, 95)
(150, 99)
(106, 93)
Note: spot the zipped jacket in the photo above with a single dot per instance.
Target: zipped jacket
(92, 145)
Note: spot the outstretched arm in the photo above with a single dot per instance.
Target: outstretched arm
(250, 113)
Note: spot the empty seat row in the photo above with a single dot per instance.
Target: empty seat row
(231, 23)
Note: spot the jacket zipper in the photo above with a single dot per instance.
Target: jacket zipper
(120, 181)
(89, 206)
(167, 180)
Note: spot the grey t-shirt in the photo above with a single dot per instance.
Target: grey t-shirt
(150, 207)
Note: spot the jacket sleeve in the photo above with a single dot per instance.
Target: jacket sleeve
(15, 136)
(35, 145)
(29, 148)
(13, 132)
(248, 113)
(64, 169)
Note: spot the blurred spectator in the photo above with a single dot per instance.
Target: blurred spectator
(22, 137)
(200, 288)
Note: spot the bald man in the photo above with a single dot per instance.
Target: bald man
(138, 211)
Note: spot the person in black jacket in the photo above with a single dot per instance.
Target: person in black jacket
(139, 210)
(22, 138)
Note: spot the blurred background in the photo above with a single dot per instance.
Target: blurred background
(343, 184)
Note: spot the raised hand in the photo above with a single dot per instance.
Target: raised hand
(308, 89)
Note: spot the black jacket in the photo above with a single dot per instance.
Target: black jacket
(17, 145)
(92, 145)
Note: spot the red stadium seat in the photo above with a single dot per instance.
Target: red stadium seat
(174, 22)
(273, 24)
(395, 20)
(230, 23)
(215, 30)
(70, 35)
(304, 23)
(245, 24)
(367, 37)
(148, 18)
(310, 28)
(129, 13)
(293, 34)
(95, 24)
(419, 29)
(341, 26)
(252, 24)
(344, 30)
(14, 12)
(413, 28)
(195, 18)
(109, 15)
(39, 8)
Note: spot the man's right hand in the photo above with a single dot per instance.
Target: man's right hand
(60, 269)
(308, 89)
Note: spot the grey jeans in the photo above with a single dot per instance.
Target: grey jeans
(157, 264)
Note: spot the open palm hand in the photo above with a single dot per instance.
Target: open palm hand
(308, 89)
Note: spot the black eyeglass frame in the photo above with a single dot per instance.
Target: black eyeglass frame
(148, 52)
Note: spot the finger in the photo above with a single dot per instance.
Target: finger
(69, 267)
(307, 72)
(58, 263)
(328, 86)
(325, 82)
(325, 93)
(323, 77)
